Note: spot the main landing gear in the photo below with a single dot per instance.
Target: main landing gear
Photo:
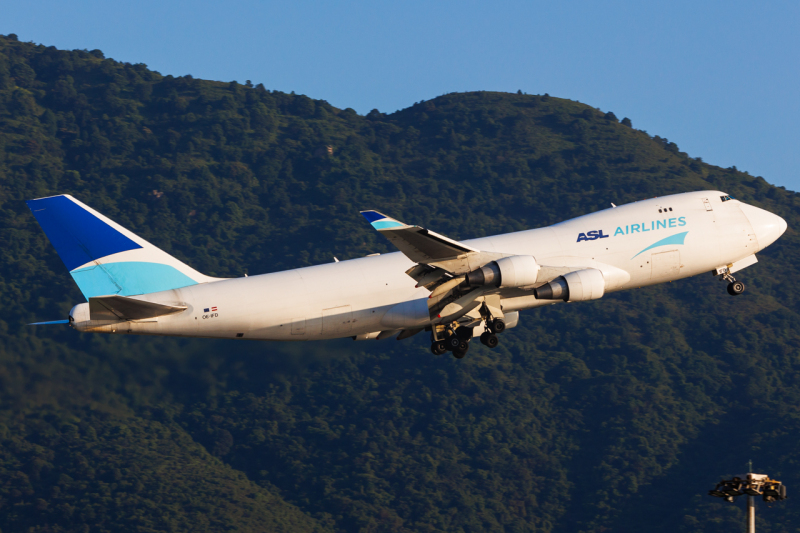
(456, 339)
(493, 327)
(489, 339)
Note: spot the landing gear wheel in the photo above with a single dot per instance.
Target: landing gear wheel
(735, 288)
(489, 339)
(438, 348)
(453, 342)
(497, 326)
(463, 346)
(459, 354)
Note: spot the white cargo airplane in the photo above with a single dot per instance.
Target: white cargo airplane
(455, 290)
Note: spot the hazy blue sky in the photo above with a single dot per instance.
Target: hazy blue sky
(720, 79)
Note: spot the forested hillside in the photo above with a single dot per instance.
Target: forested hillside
(613, 415)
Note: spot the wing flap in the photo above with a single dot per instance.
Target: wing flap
(122, 308)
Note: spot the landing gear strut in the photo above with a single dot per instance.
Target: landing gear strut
(493, 327)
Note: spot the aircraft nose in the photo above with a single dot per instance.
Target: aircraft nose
(767, 226)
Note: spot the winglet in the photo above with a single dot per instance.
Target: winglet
(379, 221)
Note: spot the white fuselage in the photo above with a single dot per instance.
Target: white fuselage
(351, 298)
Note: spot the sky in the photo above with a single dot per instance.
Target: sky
(720, 79)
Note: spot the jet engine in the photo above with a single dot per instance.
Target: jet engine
(514, 271)
(577, 286)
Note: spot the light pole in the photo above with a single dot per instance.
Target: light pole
(752, 485)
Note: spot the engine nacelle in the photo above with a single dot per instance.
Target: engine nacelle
(514, 271)
(578, 286)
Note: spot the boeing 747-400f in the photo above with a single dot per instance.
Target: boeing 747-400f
(455, 290)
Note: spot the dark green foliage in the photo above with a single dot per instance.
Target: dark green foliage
(615, 415)
(62, 471)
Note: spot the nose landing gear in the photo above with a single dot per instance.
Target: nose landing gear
(735, 288)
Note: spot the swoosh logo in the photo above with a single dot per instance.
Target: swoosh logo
(678, 238)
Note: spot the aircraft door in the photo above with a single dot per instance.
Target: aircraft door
(337, 320)
(666, 265)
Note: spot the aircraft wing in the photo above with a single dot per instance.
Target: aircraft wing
(439, 259)
(418, 244)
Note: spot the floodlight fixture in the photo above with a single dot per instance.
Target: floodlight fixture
(750, 485)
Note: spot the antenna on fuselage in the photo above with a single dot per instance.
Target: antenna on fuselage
(612, 205)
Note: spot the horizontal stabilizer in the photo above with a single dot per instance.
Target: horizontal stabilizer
(122, 308)
(418, 244)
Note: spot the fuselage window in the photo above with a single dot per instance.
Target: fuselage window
(726, 198)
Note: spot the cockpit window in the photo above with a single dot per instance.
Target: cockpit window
(726, 198)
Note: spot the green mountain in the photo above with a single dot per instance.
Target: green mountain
(615, 415)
